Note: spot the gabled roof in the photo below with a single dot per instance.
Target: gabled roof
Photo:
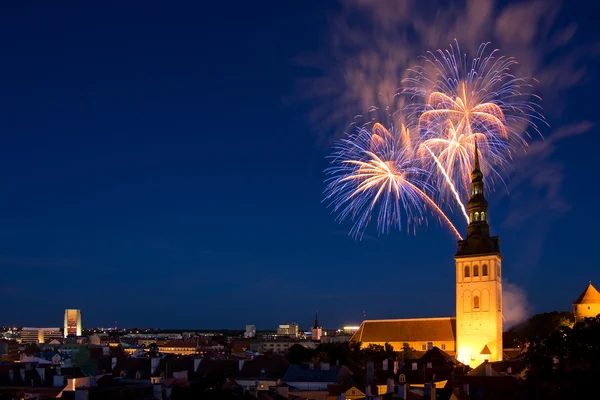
(589, 296)
(486, 350)
(407, 330)
(297, 373)
(265, 366)
(438, 358)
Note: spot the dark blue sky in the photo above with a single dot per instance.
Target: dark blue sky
(157, 169)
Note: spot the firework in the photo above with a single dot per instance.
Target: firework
(457, 104)
(376, 173)
(396, 176)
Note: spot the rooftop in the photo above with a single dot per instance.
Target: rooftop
(589, 296)
(407, 330)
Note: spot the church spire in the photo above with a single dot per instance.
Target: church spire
(478, 239)
(478, 205)
(316, 320)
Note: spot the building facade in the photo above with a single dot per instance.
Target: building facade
(289, 329)
(39, 335)
(72, 322)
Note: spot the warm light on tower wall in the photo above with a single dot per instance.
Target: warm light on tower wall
(72, 322)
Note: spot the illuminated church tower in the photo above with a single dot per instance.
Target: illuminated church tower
(478, 283)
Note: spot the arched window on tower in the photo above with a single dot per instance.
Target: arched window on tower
(467, 272)
(484, 270)
(471, 217)
(476, 270)
(475, 301)
(476, 216)
(483, 215)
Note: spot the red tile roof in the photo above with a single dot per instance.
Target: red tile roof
(407, 330)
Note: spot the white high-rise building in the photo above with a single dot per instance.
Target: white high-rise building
(250, 331)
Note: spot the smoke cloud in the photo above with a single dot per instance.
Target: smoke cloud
(371, 43)
(515, 307)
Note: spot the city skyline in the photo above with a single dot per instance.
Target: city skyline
(163, 171)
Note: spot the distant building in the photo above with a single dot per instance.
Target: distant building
(72, 322)
(40, 335)
(179, 347)
(587, 305)
(250, 331)
(289, 329)
(317, 331)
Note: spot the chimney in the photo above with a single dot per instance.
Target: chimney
(324, 366)
(427, 390)
(429, 345)
(154, 361)
(42, 373)
(59, 381)
(403, 390)
(414, 366)
(488, 369)
(197, 362)
(390, 385)
(370, 372)
(240, 365)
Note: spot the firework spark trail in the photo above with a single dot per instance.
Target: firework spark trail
(449, 182)
(483, 100)
(391, 174)
(374, 173)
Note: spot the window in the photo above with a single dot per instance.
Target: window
(483, 216)
(476, 302)
(476, 216)
(467, 272)
(471, 217)
(484, 270)
(423, 347)
(443, 346)
(476, 270)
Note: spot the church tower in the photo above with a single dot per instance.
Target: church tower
(478, 283)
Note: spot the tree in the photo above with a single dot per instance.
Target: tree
(540, 326)
(566, 363)
(298, 354)
(406, 353)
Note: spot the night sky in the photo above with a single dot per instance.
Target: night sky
(162, 164)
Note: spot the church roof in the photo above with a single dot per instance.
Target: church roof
(486, 350)
(589, 296)
(407, 330)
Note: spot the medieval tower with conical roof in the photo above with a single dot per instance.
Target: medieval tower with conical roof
(587, 305)
(478, 283)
